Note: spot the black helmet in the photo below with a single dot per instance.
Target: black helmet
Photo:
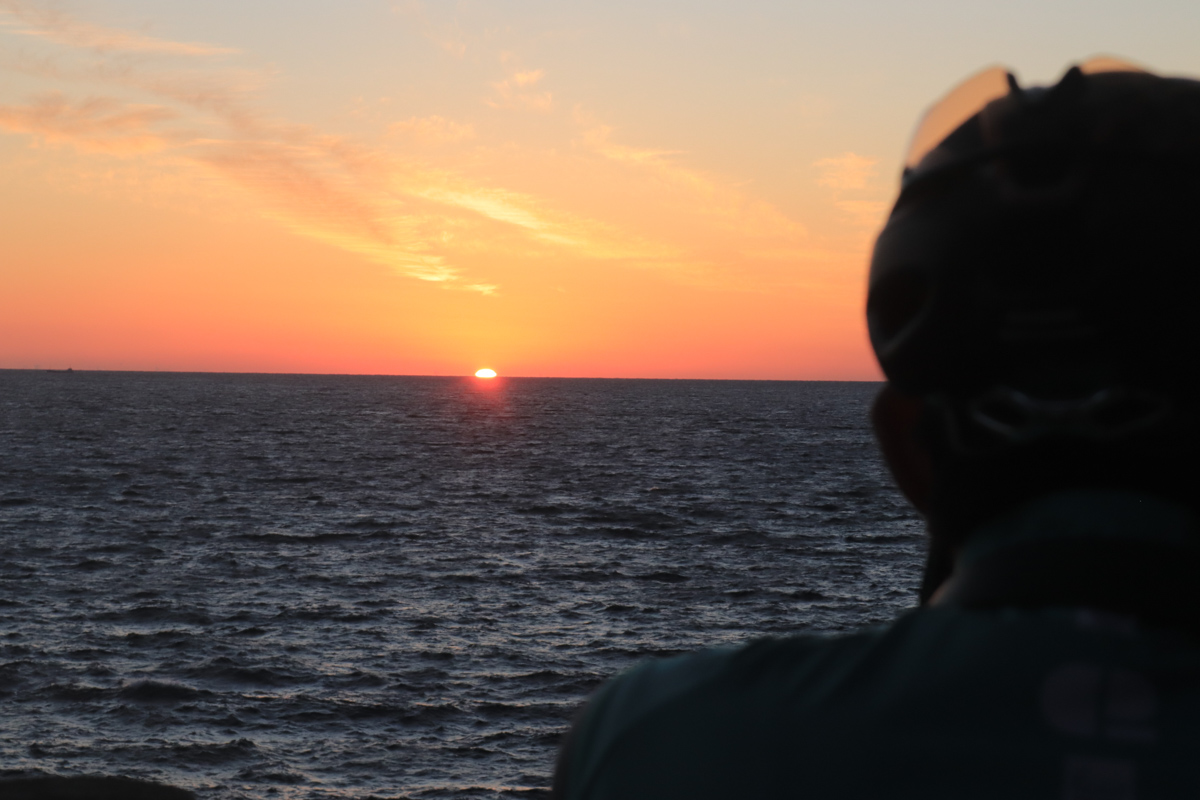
(1039, 273)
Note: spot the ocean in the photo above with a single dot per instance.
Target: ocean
(285, 586)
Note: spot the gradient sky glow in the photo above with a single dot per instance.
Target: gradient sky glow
(625, 189)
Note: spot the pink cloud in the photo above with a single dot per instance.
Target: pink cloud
(97, 125)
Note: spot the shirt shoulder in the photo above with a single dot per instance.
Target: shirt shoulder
(652, 688)
(714, 723)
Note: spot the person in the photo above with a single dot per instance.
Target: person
(1032, 303)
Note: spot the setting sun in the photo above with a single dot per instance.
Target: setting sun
(475, 182)
(486, 373)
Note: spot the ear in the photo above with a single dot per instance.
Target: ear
(895, 417)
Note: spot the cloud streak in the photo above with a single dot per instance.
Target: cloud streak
(416, 220)
(853, 173)
(702, 194)
(433, 130)
(516, 91)
(33, 19)
(847, 171)
(449, 38)
(430, 218)
(93, 125)
(325, 187)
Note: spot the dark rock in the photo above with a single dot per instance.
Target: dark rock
(89, 788)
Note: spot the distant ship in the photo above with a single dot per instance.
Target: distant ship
(68, 369)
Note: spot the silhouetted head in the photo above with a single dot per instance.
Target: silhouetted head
(1033, 295)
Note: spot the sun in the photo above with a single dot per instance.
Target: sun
(485, 373)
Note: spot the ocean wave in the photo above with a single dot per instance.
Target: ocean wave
(311, 587)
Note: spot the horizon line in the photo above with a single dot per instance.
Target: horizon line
(72, 370)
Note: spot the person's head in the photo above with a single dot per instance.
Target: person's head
(1033, 297)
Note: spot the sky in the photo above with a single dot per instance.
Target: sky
(652, 189)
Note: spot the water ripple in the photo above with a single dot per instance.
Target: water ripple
(311, 587)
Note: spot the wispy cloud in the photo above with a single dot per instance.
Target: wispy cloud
(552, 228)
(416, 220)
(865, 213)
(433, 130)
(528, 78)
(360, 199)
(94, 125)
(35, 19)
(847, 171)
(702, 194)
(516, 91)
(426, 213)
(449, 37)
(855, 194)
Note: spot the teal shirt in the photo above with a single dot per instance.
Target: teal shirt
(947, 702)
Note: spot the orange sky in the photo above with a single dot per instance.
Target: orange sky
(631, 191)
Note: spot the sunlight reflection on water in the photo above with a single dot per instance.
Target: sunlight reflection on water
(333, 586)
